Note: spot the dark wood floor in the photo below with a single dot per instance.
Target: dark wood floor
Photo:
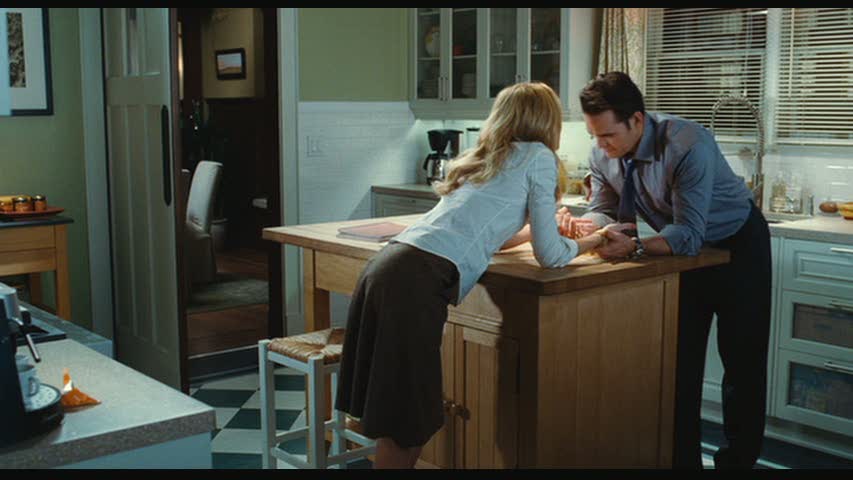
(236, 327)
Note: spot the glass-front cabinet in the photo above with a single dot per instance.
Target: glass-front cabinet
(465, 56)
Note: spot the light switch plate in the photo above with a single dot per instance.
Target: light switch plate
(314, 146)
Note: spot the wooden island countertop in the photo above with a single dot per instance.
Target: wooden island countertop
(516, 267)
(564, 367)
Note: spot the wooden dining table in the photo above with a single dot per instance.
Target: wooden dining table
(34, 246)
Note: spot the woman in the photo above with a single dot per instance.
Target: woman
(391, 368)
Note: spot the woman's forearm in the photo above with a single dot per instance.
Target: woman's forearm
(589, 242)
(522, 236)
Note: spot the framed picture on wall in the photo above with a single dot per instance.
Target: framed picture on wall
(231, 64)
(28, 36)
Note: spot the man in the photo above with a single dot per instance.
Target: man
(670, 171)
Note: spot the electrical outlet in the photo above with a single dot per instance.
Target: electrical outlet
(314, 147)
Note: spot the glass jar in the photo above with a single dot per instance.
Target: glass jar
(22, 204)
(794, 195)
(39, 203)
(777, 194)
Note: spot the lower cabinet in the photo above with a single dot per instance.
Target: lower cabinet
(481, 401)
(385, 205)
(810, 360)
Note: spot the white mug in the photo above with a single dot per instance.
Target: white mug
(30, 384)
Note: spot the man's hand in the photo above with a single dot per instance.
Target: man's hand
(618, 244)
(572, 227)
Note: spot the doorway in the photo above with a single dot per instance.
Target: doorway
(228, 88)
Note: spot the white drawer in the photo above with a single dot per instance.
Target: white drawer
(817, 267)
(815, 391)
(816, 324)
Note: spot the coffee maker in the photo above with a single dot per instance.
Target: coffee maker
(445, 147)
(23, 414)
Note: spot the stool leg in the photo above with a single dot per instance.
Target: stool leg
(317, 421)
(266, 369)
(338, 445)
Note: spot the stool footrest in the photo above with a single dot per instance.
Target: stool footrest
(289, 458)
(350, 454)
(302, 432)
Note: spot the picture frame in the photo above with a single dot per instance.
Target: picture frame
(30, 84)
(230, 64)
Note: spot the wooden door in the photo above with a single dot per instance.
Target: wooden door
(140, 148)
(486, 377)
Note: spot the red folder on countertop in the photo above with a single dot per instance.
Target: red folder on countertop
(372, 232)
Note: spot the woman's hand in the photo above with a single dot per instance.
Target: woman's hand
(572, 227)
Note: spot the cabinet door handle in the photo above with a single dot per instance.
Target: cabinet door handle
(845, 251)
(838, 368)
(841, 305)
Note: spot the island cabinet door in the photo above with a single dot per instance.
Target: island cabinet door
(438, 452)
(486, 411)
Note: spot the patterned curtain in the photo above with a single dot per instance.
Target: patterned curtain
(623, 43)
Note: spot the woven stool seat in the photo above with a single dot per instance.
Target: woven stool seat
(328, 343)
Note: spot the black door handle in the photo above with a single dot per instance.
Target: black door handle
(167, 165)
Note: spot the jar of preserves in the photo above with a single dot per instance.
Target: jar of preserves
(22, 204)
(39, 203)
(5, 206)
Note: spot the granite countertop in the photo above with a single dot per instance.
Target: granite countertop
(820, 228)
(419, 190)
(135, 411)
(72, 330)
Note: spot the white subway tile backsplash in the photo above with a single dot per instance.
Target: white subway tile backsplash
(360, 144)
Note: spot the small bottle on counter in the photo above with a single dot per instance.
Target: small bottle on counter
(22, 204)
(39, 203)
(6, 206)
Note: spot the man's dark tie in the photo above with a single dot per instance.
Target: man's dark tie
(627, 212)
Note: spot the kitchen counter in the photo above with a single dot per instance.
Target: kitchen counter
(72, 330)
(418, 190)
(136, 413)
(537, 363)
(821, 228)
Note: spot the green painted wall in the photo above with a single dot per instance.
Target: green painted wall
(353, 54)
(44, 154)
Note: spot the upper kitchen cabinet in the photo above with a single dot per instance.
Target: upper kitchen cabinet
(462, 57)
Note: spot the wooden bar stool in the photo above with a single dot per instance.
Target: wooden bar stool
(314, 354)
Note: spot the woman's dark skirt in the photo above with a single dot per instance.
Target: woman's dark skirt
(391, 367)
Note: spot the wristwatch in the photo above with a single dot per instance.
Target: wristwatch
(639, 249)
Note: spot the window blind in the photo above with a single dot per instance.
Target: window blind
(696, 55)
(815, 98)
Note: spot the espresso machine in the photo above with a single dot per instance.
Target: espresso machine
(445, 147)
(27, 406)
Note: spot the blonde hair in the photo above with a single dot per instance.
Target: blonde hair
(523, 112)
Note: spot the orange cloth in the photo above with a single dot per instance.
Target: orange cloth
(71, 395)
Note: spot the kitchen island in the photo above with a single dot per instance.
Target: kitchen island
(569, 367)
(140, 422)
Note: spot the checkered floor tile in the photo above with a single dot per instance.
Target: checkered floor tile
(237, 439)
